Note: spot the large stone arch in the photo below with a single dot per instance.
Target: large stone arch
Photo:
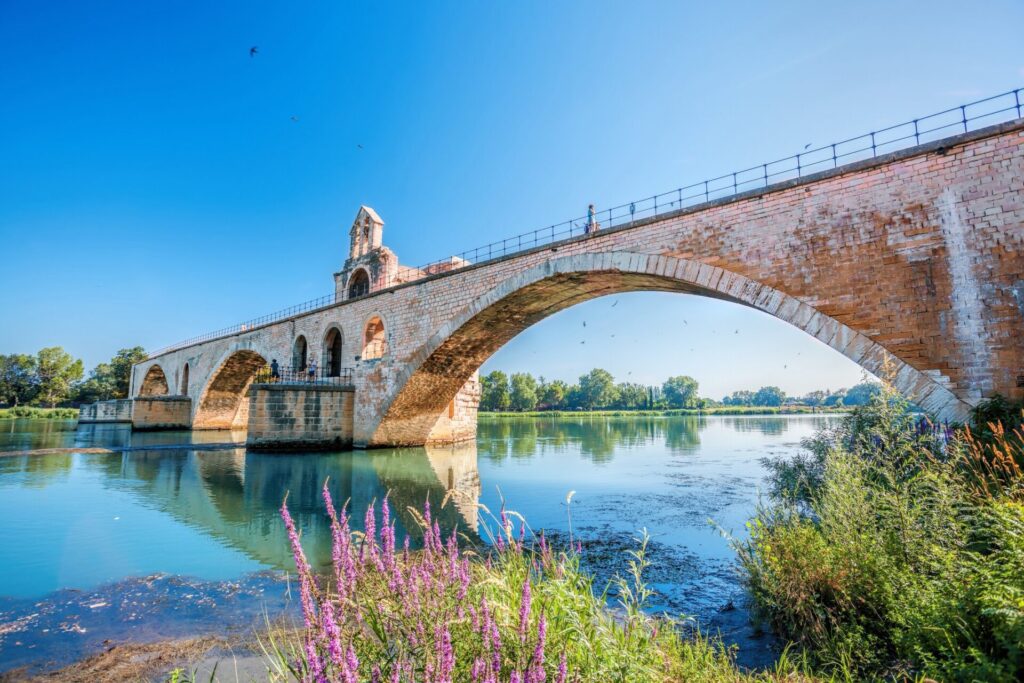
(445, 362)
(223, 404)
(155, 382)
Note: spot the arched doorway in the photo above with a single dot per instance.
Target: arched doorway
(155, 383)
(332, 352)
(223, 404)
(183, 391)
(374, 339)
(299, 353)
(358, 284)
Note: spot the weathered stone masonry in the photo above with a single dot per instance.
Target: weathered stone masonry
(908, 264)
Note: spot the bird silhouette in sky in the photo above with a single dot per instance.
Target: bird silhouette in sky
(253, 51)
(295, 118)
(615, 304)
(584, 323)
(583, 342)
(737, 332)
(807, 146)
(359, 146)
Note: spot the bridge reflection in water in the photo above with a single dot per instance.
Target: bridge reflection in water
(235, 496)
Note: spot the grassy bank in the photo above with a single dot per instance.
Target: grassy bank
(518, 611)
(719, 410)
(39, 413)
(895, 549)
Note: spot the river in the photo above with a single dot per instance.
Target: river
(153, 542)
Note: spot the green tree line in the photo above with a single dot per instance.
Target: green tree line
(54, 377)
(598, 390)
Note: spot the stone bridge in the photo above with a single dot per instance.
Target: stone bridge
(909, 264)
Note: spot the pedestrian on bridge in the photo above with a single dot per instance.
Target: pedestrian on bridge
(592, 225)
(312, 370)
(275, 371)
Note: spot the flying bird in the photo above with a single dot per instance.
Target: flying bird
(737, 332)
(584, 323)
(615, 304)
(808, 145)
(253, 51)
(295, 118)
(359, 146)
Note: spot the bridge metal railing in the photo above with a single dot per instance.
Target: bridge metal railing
(964, 118)
(304, 376)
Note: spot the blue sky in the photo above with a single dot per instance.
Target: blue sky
(154, 185)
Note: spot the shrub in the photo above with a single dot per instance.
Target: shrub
(896, 548)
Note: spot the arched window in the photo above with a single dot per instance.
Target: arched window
(358, 284)
(375, 342)
(332, 352)
(299, 354)
(183, 391)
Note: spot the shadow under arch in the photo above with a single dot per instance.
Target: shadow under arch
(155, 382)
(222, 404)
(443, 364)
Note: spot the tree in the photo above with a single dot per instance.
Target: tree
(680, 391)
(739, 398)
(56, 371)
(597, 388)
(860, 394)
(524, 392)
(769, 396)
(815, 398)
(494, 392)
(121, 369)
(110, 380)
(631, 396)
(553, 394)
(18, 381)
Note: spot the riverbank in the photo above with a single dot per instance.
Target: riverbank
(38, 413)
(676, 412)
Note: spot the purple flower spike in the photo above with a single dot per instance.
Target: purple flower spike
(563, 669)
(524, 609)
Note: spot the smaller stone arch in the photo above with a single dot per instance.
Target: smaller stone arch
(223, 403)
(375, 341)
(358, 283)
(300, 353)
(183, 387)
(155, 382)
(332, 351)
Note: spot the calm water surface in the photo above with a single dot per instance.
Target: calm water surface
(153, 542)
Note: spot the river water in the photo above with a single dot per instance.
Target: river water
(157, 542)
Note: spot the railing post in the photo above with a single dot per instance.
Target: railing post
(917, 135)
(765, 166)
(873, 149)
(963, 115)
(707, 197)
(1016, 97)
(799, 171)
(734, 189)
(835, 159)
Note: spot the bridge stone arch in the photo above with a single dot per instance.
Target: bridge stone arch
(155, 382)
(442, 365)
(222, 403)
